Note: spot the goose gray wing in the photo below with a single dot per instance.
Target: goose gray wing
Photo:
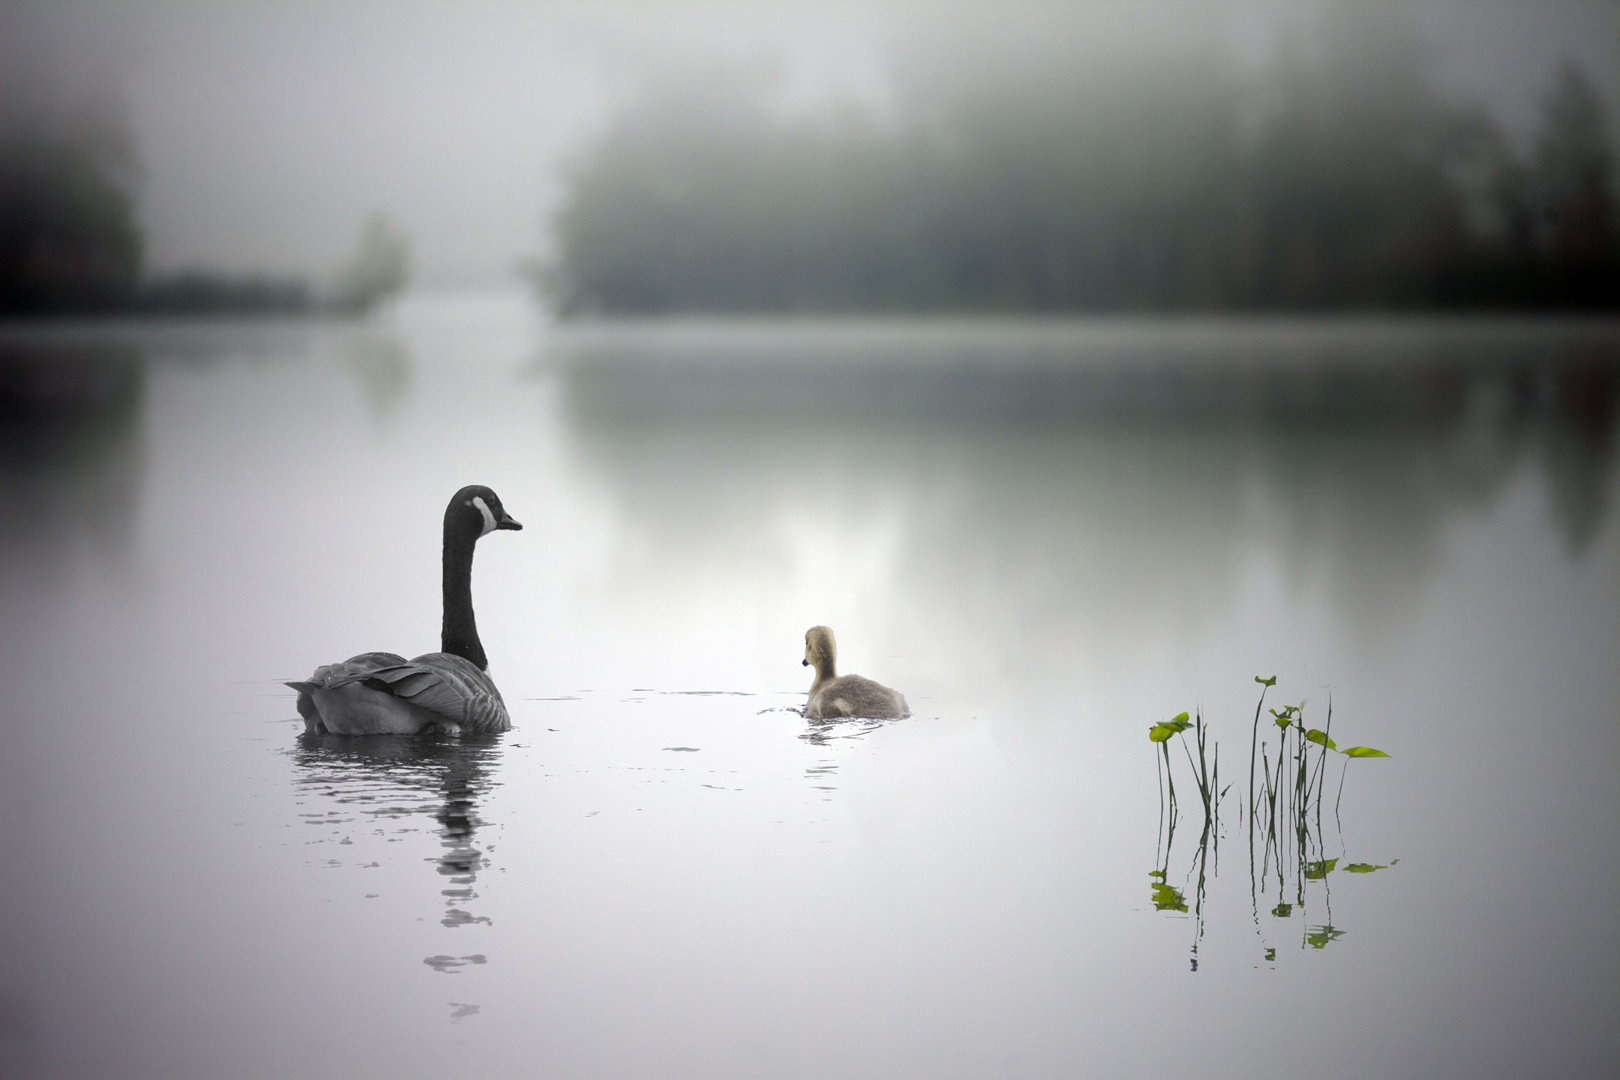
(443, 683)
(354, 669)
(452, 686)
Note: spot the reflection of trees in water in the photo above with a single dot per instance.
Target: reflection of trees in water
(1576, 449)
(72, 401)
(1141, 464)
(70, 469)
(373, 778)
(1365, 496)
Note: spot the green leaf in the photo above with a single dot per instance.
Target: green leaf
(1316, 871)
(1271, 954)
(1364, 751)
(1321, 935)
(1165, 728)
(1320, 738)
(1282, 911)
(1266, 682)
(1363, 868)
(1167, 898)
(1157, 874)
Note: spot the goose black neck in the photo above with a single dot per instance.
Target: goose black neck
(460, 632)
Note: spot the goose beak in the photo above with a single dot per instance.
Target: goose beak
(804, 663)
(509, 522)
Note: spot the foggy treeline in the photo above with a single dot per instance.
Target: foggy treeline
(71, 241)
(1143, 157)
(1057, 177)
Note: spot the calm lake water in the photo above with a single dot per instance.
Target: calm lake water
(1050, 536)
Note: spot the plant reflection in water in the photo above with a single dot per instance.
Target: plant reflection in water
(373, 779)
(1287, 845)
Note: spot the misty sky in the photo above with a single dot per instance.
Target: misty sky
(265, 132)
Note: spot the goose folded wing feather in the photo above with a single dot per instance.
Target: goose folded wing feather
(456, 688)
(444, 683)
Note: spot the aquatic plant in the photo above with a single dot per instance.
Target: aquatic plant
(1166, 897)
(1287, 787)
(1160, 733)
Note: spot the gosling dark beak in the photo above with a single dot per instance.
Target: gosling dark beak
(509, 522)
(804, 663)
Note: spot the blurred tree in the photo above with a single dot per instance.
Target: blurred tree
(1573, 181)
(1104, 185)
(209, 292)
(1356, 190)
(699, 199)
(1091, 179)
(378, 271)
(68, 236)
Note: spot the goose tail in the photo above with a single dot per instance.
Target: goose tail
(306, 708)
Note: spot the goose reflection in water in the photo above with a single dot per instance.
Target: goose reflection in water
(372, 778)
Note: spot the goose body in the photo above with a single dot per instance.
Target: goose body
(381, 693)
(834, 696)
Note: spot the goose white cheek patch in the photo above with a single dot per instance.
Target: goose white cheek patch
(489, 518)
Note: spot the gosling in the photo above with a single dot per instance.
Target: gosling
(833, 697)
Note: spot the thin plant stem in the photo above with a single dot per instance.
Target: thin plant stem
(1327, 741)
(1340, 799)
(1254, 734)
(1159, 769)
(1170, 781)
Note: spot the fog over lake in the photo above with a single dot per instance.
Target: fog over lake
(1205, 414)
(263, 133)
(1050, 536)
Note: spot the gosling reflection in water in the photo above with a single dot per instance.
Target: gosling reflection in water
(386, 776)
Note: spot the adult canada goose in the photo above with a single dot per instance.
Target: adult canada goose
(833, 697)
(383, 693)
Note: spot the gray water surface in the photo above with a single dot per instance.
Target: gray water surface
(1049, 535)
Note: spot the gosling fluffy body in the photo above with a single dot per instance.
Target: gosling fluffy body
(837, 697)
